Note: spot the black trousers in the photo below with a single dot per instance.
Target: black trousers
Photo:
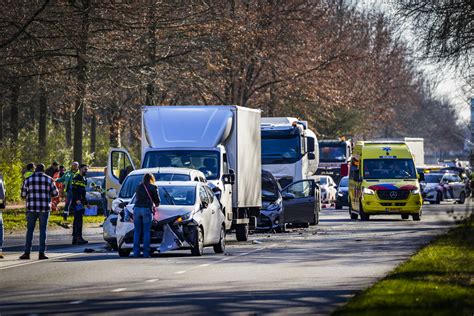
(77, 223)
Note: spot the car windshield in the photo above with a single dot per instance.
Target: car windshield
(131, 182)
(433, 178)
(332, 153)
(94, 184)
(177, 195)
(206, 161)
(269, 188)
(281, 149)
(344, 182)
(389, 169)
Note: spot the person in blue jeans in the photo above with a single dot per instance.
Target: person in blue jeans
(1, 235)
(146, 198)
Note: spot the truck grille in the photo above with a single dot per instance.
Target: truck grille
(393, 194)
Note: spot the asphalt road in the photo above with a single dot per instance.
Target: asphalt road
(300, 272)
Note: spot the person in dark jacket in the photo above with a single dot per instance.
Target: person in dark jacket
(146, 197)
(52, 169)
(79, 202)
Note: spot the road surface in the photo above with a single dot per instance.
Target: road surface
(303, 271)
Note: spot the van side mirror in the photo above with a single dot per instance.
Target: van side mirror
(311, 156)
(228, 178)
(204, 204)
(311, 144)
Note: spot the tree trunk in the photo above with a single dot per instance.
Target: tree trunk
(81, 82)
(68, 128)
(43, 110)
(93, 134)
(1, 123)
(114, 132)
(150, 88)
(14, 130)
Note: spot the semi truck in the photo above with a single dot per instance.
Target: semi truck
(334, 158)
(221, 141)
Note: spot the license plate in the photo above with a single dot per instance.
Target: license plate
(393, 209)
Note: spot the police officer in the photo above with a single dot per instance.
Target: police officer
(30, 169)
(79, 183)
(66, 179)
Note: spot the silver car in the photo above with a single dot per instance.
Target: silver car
(190, 217)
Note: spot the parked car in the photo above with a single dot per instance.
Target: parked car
(328, 189)
(95, 194)
(190, 217)
(129, 186)
(272, 212)
(302, 203)
(439, 187)
(342, 197)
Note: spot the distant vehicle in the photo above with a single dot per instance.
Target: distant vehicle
(222, 141)
(129, 186)
(446, 186)
(94, 172)
(272, 215)
(334, 158)
(383, 180)
(342, 198)
(302, 203)
(95, 194)
(328, 189)
(190, 217)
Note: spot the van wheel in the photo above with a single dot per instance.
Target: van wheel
(242, 232)
(416, 217)
(351, 213)
(220, 246)
(405, 216)
(462, 198)
(198, 242)
(124, 252)
(363, 215)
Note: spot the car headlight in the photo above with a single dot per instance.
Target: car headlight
(183, 218)
(273, 206)
(340, 194)
(415, 191)
(368, 191)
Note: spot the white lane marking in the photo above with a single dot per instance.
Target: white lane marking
(151, 280)
(51, 258)
(180, 272)
(76, 302)
(120, 289)
(204, 265)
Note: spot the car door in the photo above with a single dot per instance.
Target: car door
(215, 222)
(119, 165)
(299, 202)
(205, 214)
(458, 185)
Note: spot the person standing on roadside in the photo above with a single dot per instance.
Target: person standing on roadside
(30, 169)
(2, 206)
(66, 180)
(52, 169)
(79, 183)
(146, 197)
(38, 189)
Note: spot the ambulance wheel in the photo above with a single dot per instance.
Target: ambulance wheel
(242, 232)
(405, 216)
(363, 216)
(416, 217)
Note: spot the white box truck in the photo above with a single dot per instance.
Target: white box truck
(417, 148)
(221, 141)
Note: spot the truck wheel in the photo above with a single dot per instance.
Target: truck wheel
(462, 198)
(363, 215)
(405, 216)
(416, 217)
(338, 206)
(220, 246)
(198, 242)
(242, 232)
(124, 252)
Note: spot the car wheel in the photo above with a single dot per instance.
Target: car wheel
(416, 217)
(113, 245)
(405, 216)
(462, 198)
(363, 215)
(220, 246)
(124, 252)
(338, 206)
(242, 232)
(315, 219)
(198, 242)
(438, 198)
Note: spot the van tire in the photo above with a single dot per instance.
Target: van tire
(405, 216)
(316, 219)
(416, 217)
(363, 216)
(242, 232)
(462, 198)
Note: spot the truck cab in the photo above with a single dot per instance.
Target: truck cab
(334, 158)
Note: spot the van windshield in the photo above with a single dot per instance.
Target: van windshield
(280, 149)
(205, 161)
(389, 169)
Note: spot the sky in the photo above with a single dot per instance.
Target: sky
(449, 83)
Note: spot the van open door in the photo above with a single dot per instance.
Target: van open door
(119, 165)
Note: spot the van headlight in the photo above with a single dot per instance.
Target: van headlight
(368, 191)
(415, 191)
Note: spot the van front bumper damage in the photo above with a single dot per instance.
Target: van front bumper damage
(372, 204)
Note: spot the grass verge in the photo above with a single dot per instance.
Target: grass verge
(15, 220)
(438, 280)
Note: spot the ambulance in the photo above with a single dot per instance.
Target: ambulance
(383, 181)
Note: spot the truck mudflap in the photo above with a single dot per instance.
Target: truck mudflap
(246, 216)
